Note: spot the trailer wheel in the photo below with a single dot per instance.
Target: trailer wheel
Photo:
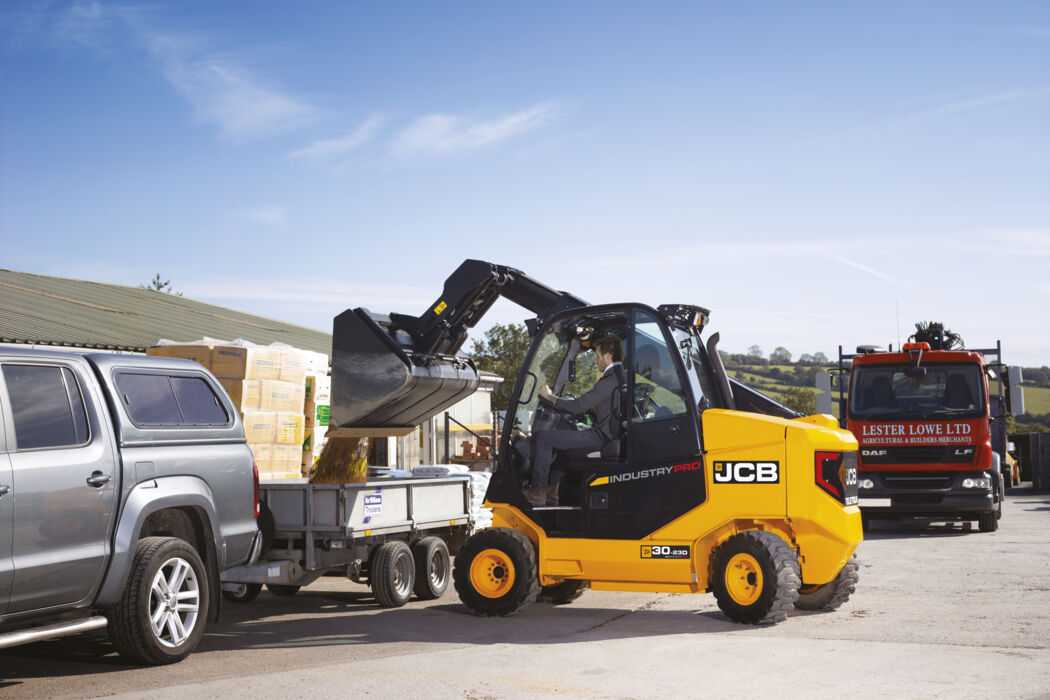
(160, 617)
(393, 573)
(282, 589)
(755, 577)
(987, 521)
(433, 568)
(832, 594)
(496, 572)
(245, 593)
(564, 592)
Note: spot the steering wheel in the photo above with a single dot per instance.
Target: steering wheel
(643, 398)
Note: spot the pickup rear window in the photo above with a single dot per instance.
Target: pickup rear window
(47, 405)
(162, 400)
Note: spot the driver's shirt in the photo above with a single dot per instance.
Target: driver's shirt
(599, 400)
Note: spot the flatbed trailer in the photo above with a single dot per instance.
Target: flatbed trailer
(396, 534)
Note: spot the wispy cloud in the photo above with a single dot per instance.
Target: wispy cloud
(273, 216)
(1017, 243)
(448, 134)
(340, 146)
(870, 270)
(953, 108)
(332, 292)
(225, 93)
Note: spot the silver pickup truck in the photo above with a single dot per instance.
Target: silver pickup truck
(126, 490)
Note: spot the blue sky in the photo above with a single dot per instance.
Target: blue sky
(809, 171)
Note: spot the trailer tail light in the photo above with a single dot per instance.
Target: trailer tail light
(255, 487)
(836, 474)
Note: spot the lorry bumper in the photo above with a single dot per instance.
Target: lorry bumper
(954, 501)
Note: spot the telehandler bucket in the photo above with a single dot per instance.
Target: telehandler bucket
(381, 385)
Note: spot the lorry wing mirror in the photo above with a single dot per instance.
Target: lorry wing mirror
(1015, 397)
(824, 392)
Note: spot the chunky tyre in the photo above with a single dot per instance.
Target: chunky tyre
(393, 574)
(496, 572)
(245, 594)
(282, 589)
(161, 615)
(832, 594)
(433, 568)
(755, 577)
(564, 592)
(987, 522)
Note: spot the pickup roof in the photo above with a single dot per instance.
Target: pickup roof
(126, 490)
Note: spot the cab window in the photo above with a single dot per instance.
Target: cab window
(658, 391)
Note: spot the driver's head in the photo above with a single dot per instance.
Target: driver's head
(608, 350)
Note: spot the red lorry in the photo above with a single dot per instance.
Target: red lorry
(931, 424)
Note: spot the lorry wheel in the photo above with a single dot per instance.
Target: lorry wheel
(393, 573)
(987, 522)
(496, 572)
(564, 592)
(832, 594)
(245, 593)
(433, 568)
(160, 617)
(755, 577)
(282, 589)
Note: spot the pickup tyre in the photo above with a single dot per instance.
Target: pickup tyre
(160, 618)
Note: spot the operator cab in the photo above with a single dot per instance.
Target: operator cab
(605, 492)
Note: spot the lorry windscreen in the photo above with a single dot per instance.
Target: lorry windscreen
(886, 392)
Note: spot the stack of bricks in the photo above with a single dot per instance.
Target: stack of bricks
(268, 386)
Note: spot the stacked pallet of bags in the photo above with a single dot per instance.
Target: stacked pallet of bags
(267, 384)
(479, 484)
(317, 411)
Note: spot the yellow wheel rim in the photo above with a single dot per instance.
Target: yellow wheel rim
(744, 579)
(492, 573)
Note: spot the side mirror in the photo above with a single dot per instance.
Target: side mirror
(824, 392)
(1015, 397)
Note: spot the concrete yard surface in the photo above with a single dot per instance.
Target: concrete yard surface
(941, 611)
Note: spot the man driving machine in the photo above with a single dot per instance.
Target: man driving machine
(605, 427)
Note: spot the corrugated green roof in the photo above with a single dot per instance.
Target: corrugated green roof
(42, 310)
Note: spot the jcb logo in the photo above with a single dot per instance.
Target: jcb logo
(747, 472)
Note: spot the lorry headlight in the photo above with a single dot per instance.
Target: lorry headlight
(981, 482)
(867, 484)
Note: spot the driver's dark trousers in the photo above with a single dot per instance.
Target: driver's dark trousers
(546, 441)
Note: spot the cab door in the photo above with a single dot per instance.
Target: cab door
(6, 519)
(64, 488)
(662, 477)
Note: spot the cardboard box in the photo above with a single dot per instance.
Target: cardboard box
(263, 453)
(281, 396)
(287, 458)
(260, 426)
(319, 388)
(293, 366)
(278, 475)
(243, 392)
(233, 362)
(201, 354)
(289, 429)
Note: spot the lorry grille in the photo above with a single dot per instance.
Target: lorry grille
(912, 481)
(937, 454)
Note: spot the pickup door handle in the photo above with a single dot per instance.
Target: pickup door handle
(4, 489)
(98, 479)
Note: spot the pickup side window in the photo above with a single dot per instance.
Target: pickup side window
(160, 400)
(47, 405)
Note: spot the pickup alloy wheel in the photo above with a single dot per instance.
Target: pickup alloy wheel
(160, 617)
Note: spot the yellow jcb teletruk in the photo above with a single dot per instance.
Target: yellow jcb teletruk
(711, 486)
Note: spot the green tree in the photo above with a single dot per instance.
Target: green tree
(801, 399)
(754, 351)
(780, 356)
(156, 284)
(820, 358)
(502, 352)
